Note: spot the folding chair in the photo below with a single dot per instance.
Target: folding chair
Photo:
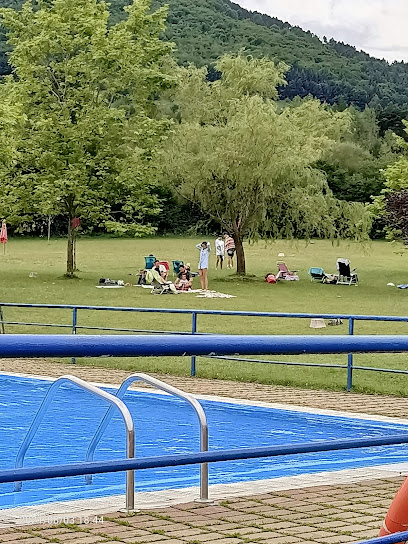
(284, 273)
(176, 267)
(149, 262)
(159, 288)
(317, 274)
(346, 275)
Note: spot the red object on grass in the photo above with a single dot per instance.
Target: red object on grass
(3, 233)
(271, 278)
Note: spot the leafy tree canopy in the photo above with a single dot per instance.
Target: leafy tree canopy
(247, 159)
(85, 92)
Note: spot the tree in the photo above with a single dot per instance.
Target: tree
(392, 204)
(89, 132)
(246, 158)
(354, 165)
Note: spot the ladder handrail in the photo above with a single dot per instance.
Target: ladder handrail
(113, 400)
(140, 376)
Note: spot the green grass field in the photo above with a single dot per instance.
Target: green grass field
(377, 264)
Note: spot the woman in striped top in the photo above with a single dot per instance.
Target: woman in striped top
(230, 249)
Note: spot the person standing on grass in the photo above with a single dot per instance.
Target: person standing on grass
(205, 249)
(219, 251)
(230, 249)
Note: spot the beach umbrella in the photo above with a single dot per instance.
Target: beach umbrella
(3, 235)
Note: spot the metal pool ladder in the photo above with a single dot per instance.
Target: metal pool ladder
(113, 400)
(173, 391)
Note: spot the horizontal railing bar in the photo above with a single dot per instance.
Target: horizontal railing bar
(97, 328)
(209, 312)
(375, 369)
(119, 465)
(133, 330)
(64, 345)
(36, 324)
(289, 363)
(388, 539)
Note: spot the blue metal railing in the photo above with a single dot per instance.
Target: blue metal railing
(120, 465)
(75, 328)
(61, 345)
(127, 346)
(389, 539)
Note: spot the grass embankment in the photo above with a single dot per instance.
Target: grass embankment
(377, 264)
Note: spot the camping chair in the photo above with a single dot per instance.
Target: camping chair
(149, 262)
(346, 276)
(158, 288)
(176, 267)
(284, 273)
(317, 274)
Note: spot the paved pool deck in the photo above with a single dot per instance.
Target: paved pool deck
(326, 514)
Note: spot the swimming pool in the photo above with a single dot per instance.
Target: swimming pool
(167, 425)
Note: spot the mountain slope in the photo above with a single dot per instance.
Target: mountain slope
(204, 29)
(331, 71)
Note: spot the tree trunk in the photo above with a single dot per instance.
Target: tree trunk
(70, 249)
(240, 253)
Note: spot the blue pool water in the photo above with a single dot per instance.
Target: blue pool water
(166, 425)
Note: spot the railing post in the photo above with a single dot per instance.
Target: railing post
(350, 358)
(193, 331)
(204, 467)
(2, 321)
(74, 325)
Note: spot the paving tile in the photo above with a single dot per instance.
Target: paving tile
(228, 541)
(78, 537)
(263, 535)
(275, 525)
(368, 533)
(331, 524)
(366, 519)
(125, 532)
(184, 533)
(283, 540)
(34, 540)
(338, 539)
(10, 536)
(244, 531)
(207, 537)
(355, 528)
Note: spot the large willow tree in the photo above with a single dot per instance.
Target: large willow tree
(85, 92)
(248, 159)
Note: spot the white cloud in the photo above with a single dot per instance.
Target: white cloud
(375, 26)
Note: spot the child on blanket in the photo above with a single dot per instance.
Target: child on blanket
(182, 283)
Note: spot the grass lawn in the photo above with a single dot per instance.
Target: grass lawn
(377, 264)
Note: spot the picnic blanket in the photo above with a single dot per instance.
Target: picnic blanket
(201, 293)
(212, 294)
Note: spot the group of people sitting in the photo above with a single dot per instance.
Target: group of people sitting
(158, 277)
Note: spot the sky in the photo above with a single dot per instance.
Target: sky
(375, 26)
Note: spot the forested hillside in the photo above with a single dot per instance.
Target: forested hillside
(333, 72)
